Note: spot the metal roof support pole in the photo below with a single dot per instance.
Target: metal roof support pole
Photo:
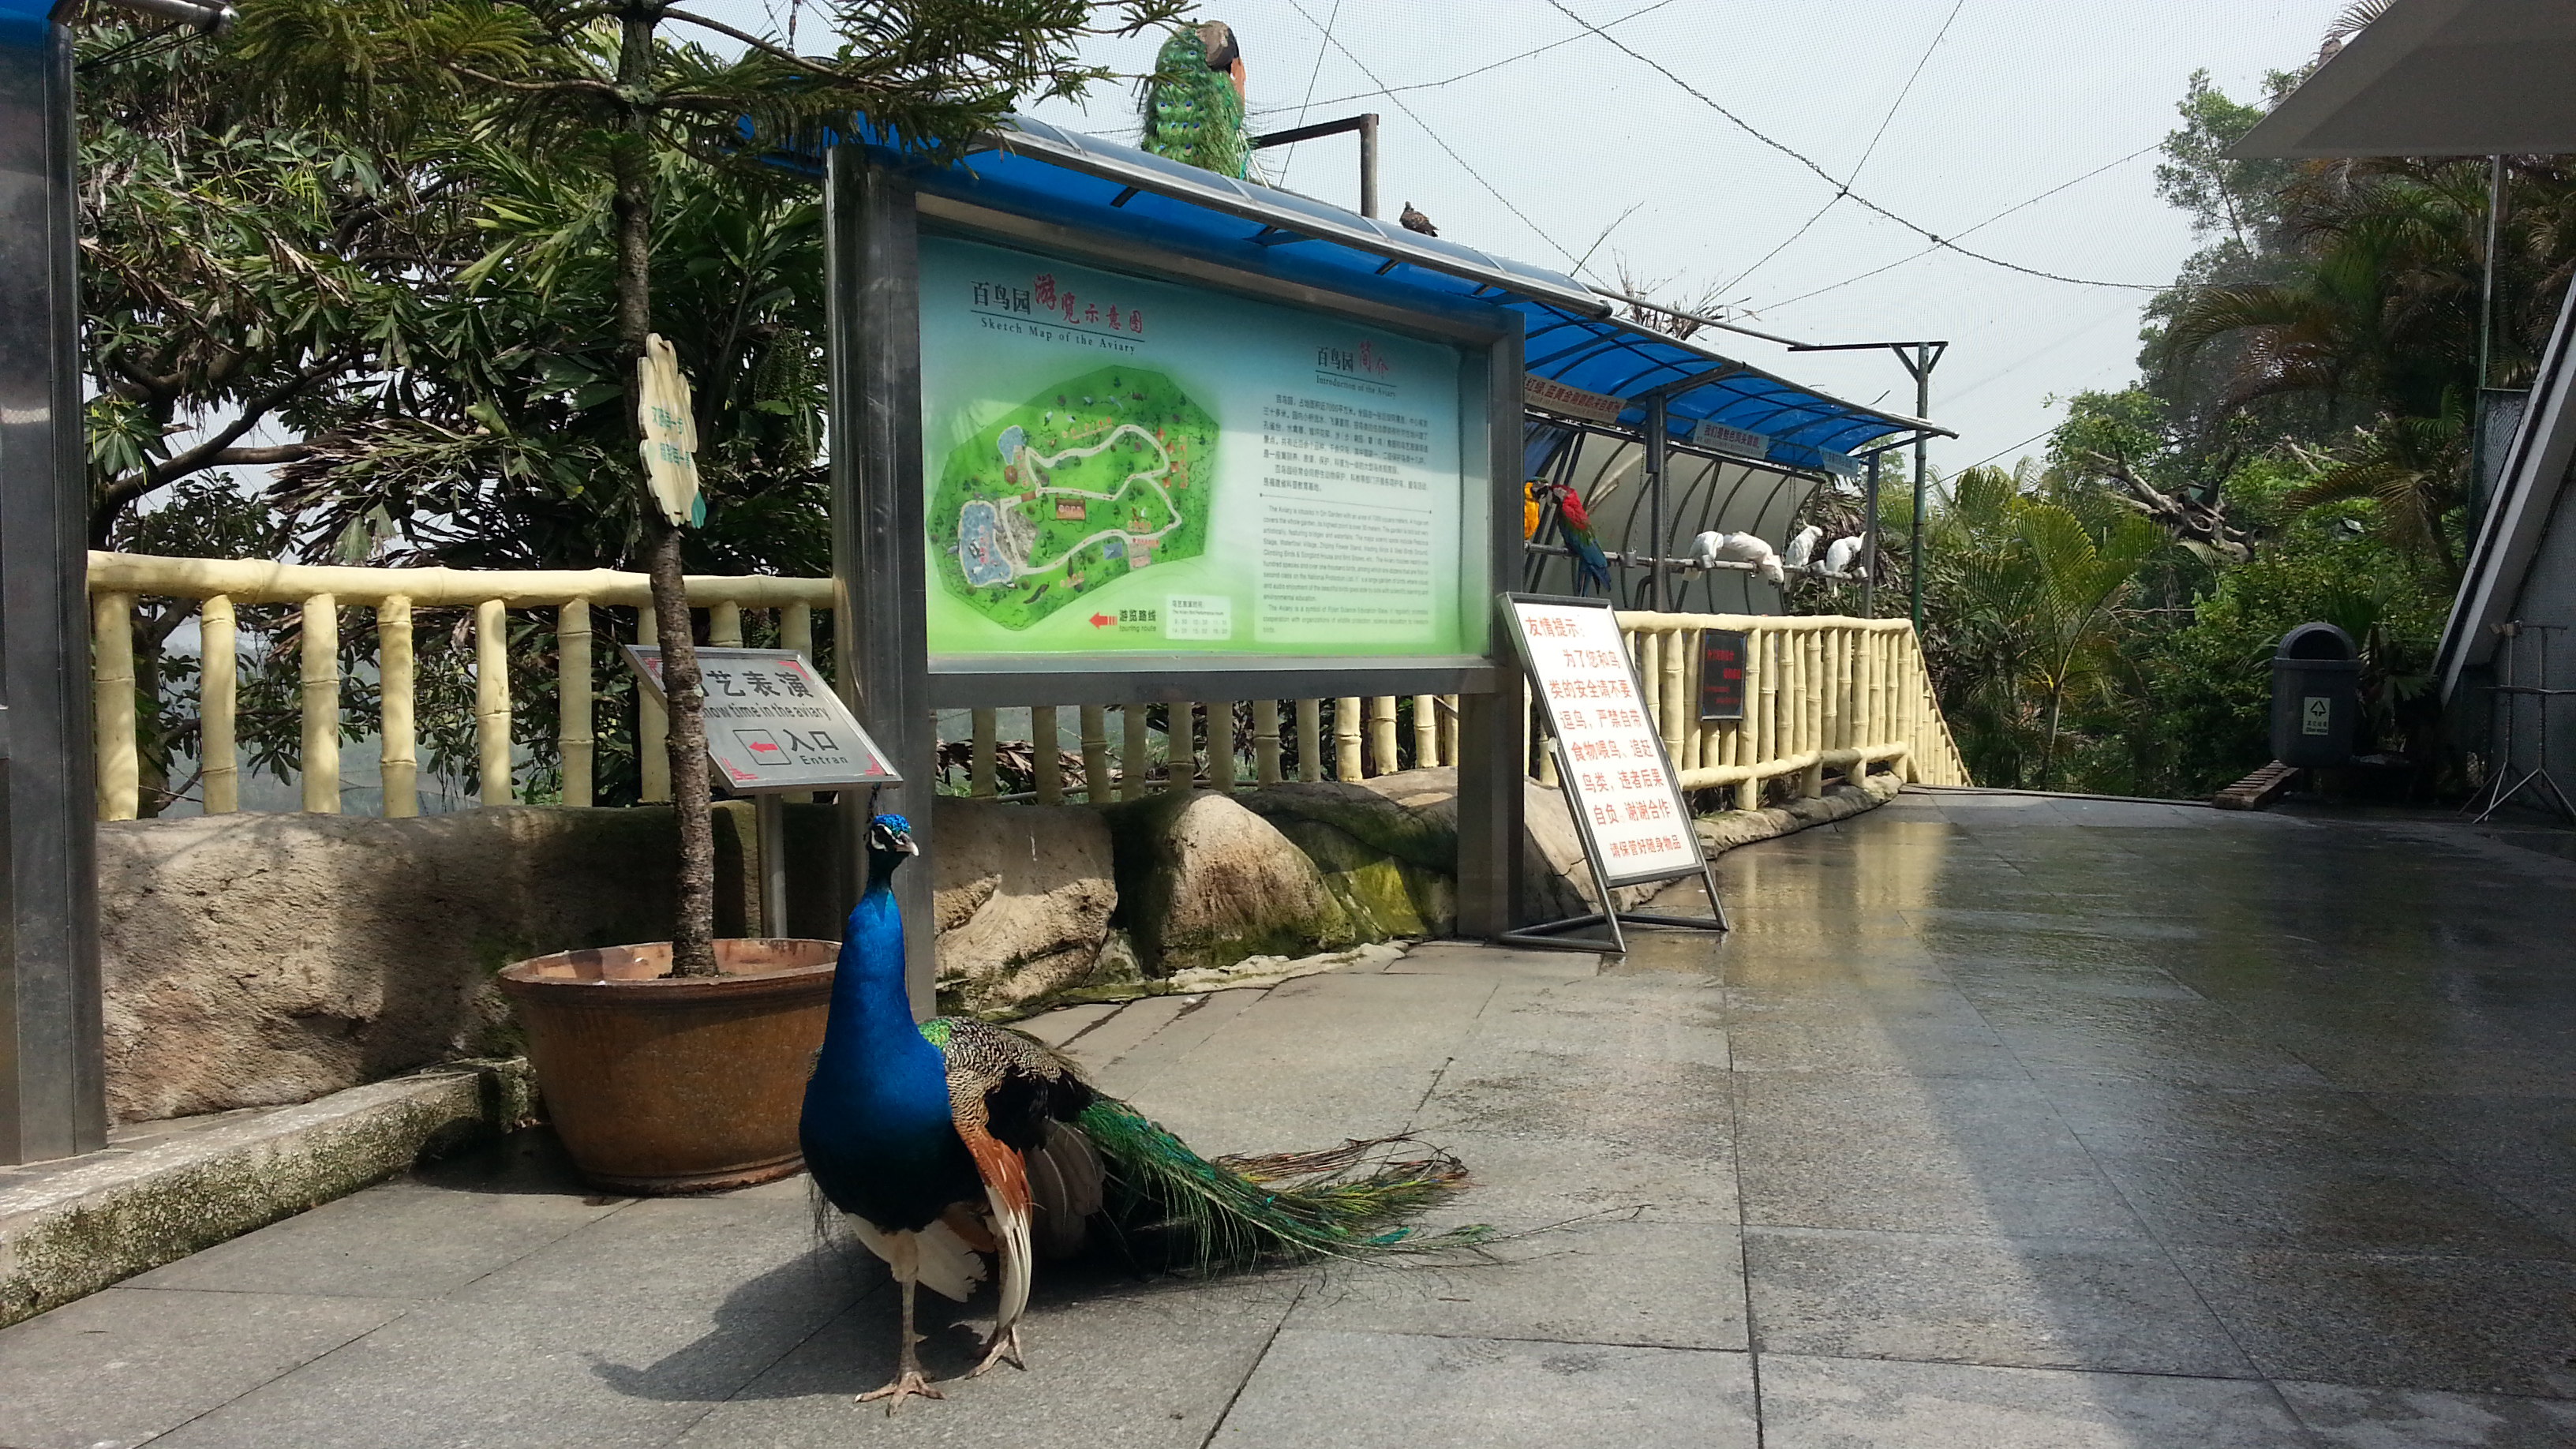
(872, 271)
(1925, 357)
(1368, 164)
(1869, 546)
(53, 1089)
(1657, 525)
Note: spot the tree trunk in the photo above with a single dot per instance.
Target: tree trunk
(631, 164)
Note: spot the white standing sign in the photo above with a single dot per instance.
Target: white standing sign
(773, 724)
(1617, 778)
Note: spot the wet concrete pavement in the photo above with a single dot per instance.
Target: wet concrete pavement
(2000, 1121)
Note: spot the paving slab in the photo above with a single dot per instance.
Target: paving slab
(2084, 1303)
(1110, 1362)
(2357, 1418)
(1322, 1389)
(1575, 1284)
(125, 1366)
(1840, 1403)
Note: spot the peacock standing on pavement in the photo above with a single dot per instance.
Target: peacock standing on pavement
(1574, 525)
(953, 1139)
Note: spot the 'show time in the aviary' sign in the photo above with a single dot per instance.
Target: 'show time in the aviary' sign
(1101, 476)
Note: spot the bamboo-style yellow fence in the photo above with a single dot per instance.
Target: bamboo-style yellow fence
(1821, 693)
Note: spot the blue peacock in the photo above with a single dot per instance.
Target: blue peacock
(952, 1139)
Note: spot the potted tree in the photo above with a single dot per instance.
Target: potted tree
(673, 1066)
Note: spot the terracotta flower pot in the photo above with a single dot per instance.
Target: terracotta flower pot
(661, 1084)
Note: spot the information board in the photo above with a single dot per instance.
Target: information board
(1721, 674)
(1616, 776)
(772, 723)
(1121, 465)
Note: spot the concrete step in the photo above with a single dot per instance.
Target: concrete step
(162, 1190)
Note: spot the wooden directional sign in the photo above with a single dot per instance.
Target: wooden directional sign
(1721, 674)
(773, 724)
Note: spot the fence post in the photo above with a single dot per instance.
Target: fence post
(1346, 738)
(1095, 755)
(724, 625)
(321, 681)
(1044, 754)
(1382, 735)
(1676, 710)
(399, 759)
(1426, 731)
(796, 631)
(1748, 729)
(1219, 734)
(1265, 741)
(979, 770)
(1310, 740)
(1139, 745)
(652, 725)
(218, 700)
(120, 785)
(492, 702)
(572, 699)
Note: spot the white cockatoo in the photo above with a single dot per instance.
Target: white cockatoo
(1840, 554)
(1712, 548)
(1802, 547)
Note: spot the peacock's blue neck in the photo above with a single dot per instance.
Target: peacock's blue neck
(871, 1016)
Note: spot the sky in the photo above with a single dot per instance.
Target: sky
(1952, 111)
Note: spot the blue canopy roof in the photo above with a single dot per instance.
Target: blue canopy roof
(1038, 170)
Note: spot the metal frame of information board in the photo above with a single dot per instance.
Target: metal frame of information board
(1552, 935)
(874, 218)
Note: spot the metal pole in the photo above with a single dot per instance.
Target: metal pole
(1493, 757)
(1869, 546)
(1921, 366)
(872, 279)
(2487, 287)
(769, 821)
(1368, 164)
(53, 1089)
(1655, 441)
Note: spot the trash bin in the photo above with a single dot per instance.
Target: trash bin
(2316, 696)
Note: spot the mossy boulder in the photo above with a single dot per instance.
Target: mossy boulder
(1202, 882)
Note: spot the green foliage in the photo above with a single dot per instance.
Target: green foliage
(2024, 585)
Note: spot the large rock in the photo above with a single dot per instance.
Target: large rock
(1024, 894)
(1203, 882)
(1369, 835)
(255, 960)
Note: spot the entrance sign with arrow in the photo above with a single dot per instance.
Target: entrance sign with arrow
(773, 724)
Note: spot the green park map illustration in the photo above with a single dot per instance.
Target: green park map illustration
(1101, 476)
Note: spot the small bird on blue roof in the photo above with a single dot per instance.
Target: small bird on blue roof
(952, 1139)
(1414, 220)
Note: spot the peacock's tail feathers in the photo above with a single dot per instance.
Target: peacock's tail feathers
(1240, 1211)
(1191, 113)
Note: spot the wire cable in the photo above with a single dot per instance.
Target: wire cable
(1748, 128)
(1866, 152)
(1980, 226)
(1480, 70)
(1409, 112)
(1289, 161)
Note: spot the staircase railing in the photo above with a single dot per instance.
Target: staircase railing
(1821, 693)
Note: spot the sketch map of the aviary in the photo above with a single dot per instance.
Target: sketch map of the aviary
(1101, 476)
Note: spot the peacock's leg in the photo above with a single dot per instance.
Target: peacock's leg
(1003, 1345)
(905, 1260)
